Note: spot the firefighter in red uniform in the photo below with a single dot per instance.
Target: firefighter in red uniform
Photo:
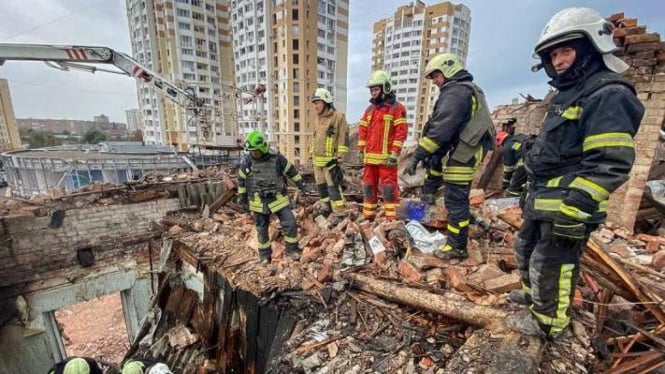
(382, 133)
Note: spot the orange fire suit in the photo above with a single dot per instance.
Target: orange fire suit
(382, 132)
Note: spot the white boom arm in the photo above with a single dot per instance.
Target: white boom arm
(79, 57)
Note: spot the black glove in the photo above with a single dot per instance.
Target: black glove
(335, 172)
(567, 228)
(301, 185)
(242, 200)
(412, 166)
(391, 161)
(505, 184)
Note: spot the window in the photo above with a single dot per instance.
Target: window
(187, 51)
(198, 16)
(182, 12)
(296, 44)
(184, 26)
(296, 60)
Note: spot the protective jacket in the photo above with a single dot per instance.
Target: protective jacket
(382, 131)
(331, 137)
(585, 149)
(460, 121)
(264, 182)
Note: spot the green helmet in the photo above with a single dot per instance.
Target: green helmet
(381, 78)
(256, 141)
(133, 367)
(447, 63)
(77, 366)
(323, 95)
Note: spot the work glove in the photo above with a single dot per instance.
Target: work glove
(391, 161)
(567, 228)
(301, 185)
(575, 211)
(335, 172)
(412, 166)
(361, 157)
(505, 184)
(242, 200)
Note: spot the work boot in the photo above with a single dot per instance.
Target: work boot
(449, 253)
(520, 297)
(294, 255)
(428, 198)
(264, 259)
(335, 220)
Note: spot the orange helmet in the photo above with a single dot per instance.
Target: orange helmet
(501, 137)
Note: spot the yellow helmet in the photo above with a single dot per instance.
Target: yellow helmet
(323, 95)
(447, 63)
(133, 367)
(77, 366)
(381, 78)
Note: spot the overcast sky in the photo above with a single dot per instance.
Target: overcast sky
(502, 37)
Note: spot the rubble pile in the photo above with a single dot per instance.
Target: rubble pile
(367, 298)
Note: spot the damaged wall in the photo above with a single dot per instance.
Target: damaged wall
(32, 250)
(645, 53)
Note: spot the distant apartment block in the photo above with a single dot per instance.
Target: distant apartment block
(189, 43)
(133, 120)
(9, 136)
(404, 43)
(102, 118)
(114, 130)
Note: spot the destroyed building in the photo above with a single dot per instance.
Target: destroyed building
(364, 297)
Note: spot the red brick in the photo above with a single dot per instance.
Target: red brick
(457, 279)
(628, 22)
(615, 17)
(639, 47)
(642, 38)
(310, 254)
(659, 260)
(409, 272)
(503, 283)
(325, 273)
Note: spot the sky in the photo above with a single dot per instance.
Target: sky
(503, 34)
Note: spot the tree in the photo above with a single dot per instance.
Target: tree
(93, 136)
(38, 138)
(137, 136)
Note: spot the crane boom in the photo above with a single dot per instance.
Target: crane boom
(80, 57)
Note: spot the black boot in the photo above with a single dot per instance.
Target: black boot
(520, 297)
(428, 198)
(447, 252)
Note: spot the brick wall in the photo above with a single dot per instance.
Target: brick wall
(645, 52)
(29, 249)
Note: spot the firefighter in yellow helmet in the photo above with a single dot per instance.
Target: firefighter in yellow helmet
(330, 144)
(381, 134)
(459, 133)
(584, 151)
(76, 365)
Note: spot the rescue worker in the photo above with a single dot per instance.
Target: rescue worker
(330, 144)
(583, 153)
(262, 184)
(512, 148)
(76, 365)
(381, 134)
(458, 134)
(144, 366)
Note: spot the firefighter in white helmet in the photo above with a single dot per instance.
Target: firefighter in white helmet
(584, 152)
(330, 144)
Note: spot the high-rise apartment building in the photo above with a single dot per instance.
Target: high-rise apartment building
(9, 136)
(291, 47)
(187, 42)
(133, 120)
(404, 43)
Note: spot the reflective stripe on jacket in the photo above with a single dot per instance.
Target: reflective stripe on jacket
(382, 131)
(331, 137)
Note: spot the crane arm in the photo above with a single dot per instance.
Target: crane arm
(79, 57)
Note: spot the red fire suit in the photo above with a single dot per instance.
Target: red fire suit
(382, 132)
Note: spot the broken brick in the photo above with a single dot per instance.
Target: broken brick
(410, 273)
(659, 260)
(325, 273)
(504, 283)
(642, 38)
(485, 272)
(457, 279)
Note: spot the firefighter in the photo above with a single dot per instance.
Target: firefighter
(584, 151)
(262, 185)
(76, 365)
(330, 144)
(381, 134)
(512, 148)
(458, 134)
(144, 366)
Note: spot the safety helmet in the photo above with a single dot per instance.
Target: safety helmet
(159, 368)
(77, 366)
(133, 367)
(381, 78)
(323, 95)
(256, 141)
(447, 63)
(574, 23)
(500, 138)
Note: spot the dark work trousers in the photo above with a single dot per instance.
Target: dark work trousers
(549, 267)
(289, 229)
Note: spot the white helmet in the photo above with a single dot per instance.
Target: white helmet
(574, 23)
(159, 368)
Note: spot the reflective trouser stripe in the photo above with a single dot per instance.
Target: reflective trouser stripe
(560, 319)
